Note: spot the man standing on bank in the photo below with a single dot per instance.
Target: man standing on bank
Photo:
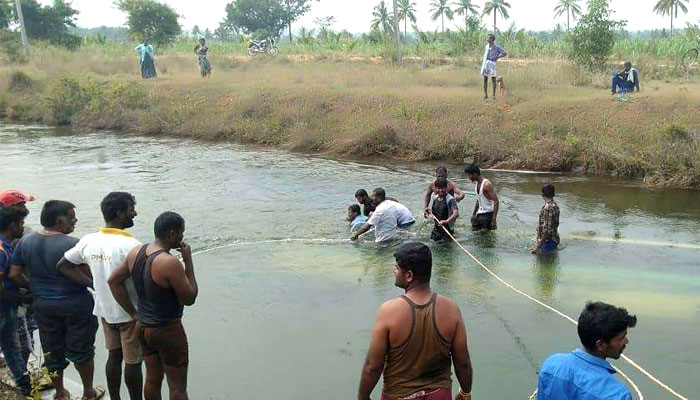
(416, 337)
(103, 251)
(486, 208)
(585, 374)
(489, 68)
(163, 286)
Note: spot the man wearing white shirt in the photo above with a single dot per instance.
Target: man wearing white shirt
(103, 251)
(386, 218)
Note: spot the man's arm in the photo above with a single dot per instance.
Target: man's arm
(18, 277)
(365, 228)
(374, 363)
(490, 193)
(459, 193)
(460, 356)
(502, 53)
(476, 209)
(117, 285)
(182, 281)
(75, 272)
(427, 197)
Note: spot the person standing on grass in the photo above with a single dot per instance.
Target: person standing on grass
(163, 287)
(417, 337)
(586, 374)
(489, 67)
(11, 228)
(63, 308)
(452, 189)
(148, 67)
(548, 227)
(487, 203)
(627, 80)
(445, 209)
(202, 52)
(102, 252)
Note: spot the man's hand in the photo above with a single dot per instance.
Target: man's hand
(354, 237)
(445, 223)
(427, 212)
(473, 217)
(494, 225)
(536, 250)
(460, 397)
(185, 250)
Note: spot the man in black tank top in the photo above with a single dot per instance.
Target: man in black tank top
(163, 289)
(445, 209)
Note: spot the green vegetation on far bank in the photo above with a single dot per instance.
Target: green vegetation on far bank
(555, 116)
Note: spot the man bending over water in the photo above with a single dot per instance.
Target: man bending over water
(416, 337)
(163, 286)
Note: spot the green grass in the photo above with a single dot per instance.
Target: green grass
(555, 117)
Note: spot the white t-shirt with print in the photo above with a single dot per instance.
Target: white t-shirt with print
(384, 220)
(103, 252)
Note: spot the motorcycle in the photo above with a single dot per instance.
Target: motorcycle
(266, 46)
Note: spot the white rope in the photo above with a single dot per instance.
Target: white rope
(561, 314)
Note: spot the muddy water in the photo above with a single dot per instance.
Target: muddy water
(291, 319)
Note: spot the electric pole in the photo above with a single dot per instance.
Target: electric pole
(23, 30)
(397, 30)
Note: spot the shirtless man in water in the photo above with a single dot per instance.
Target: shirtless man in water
(486, 208)
(417, 338)
(452, 189)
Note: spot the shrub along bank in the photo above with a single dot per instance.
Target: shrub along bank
(554, 117)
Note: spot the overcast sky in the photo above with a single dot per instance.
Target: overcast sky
(355, 15)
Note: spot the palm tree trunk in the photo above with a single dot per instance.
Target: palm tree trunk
(494, 21)
(290, 31)
(405, 28)
(671, 20)
(442, 16)
(568, 26)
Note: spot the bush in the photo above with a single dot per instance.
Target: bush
(20, 81)
(593, 38)
(67, 97)
(11, 45)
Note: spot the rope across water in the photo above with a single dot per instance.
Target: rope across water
(561, 314)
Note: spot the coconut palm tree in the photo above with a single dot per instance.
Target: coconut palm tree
(465, 7)
(571, 8)
(441, 9)
(407, 10)
(383, 19)
(497, 7)
(670, 7)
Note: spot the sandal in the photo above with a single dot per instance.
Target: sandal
(99, 393)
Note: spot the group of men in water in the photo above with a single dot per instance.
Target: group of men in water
(387, 216)
(136, 291)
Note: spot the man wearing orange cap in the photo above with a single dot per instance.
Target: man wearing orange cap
(17, 200)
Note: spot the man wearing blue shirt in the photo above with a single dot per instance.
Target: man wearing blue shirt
(585, 374)
(357, 220)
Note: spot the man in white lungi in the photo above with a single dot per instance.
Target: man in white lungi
(489, 68)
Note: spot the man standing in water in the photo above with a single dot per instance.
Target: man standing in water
(163, 286)
(365, 201)
(416, 337)
(103, 251)
(355, 217)
(486, 208)
(444, 209)
(489, 68)
(387, 216)
(548, 227)
(62, 307)
(585, 374)
(452, 189)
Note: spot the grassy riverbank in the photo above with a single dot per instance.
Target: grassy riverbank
(554, 118)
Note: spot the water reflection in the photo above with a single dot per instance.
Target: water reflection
(546, 268)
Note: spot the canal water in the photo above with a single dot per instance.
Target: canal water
(285, 311)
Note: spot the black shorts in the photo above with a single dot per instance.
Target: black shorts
(438, 234)
(482, 221)
(67, 330)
